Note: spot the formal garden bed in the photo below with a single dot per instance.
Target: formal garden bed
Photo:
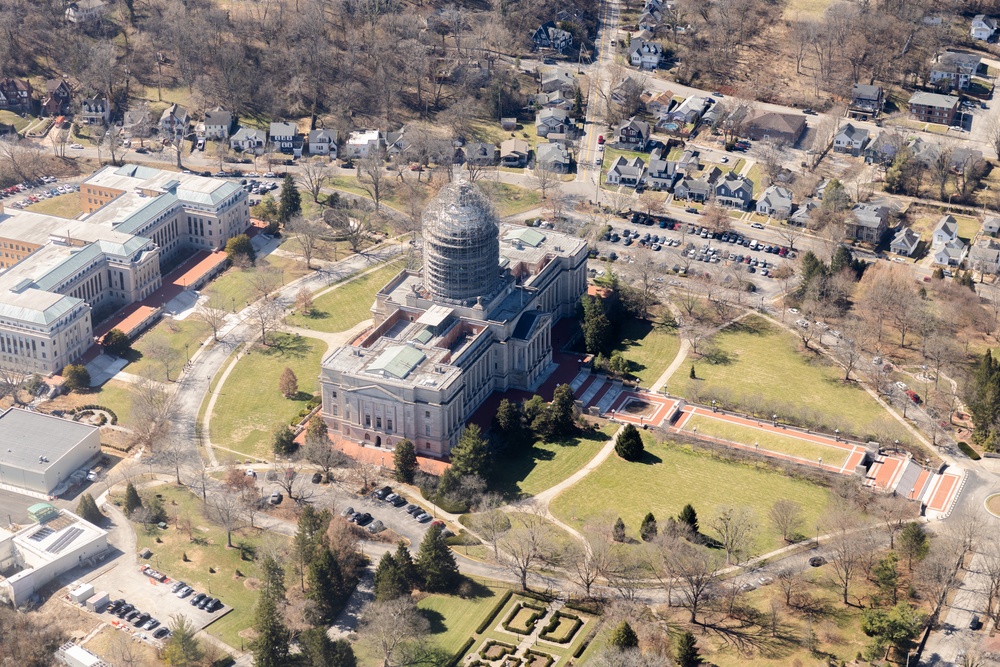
(522, 618)
(562, 628)
(494, 650)
(537, 659)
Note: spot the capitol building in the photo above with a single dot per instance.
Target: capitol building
(476, 319)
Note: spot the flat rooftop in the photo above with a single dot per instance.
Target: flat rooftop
(45, 542)
(25, 436)
(36, 228)
(190, 187)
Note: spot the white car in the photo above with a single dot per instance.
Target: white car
(724, 160)
(78, 147)
(802, 323)
(901, 386)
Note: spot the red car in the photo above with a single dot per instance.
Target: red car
(600, 138)
(913, 396)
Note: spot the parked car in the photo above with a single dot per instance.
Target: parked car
(317, 477)
(376, 527)
(364, 519)
(275, 498)
(383, 492)
(423, 517)
(347, 512)
(816, 561)
(975, 623)
(399, 501)
(177, 586)
(197, 598)
(184, 592)
(215, 605)
(161, 633)
(150, 624)
(205, 602)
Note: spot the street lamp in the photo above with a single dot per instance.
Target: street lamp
(714, 409)
(836, 434)
(821, 462)
(774, 421)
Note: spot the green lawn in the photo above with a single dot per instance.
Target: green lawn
(756, 174)
(63, 206)
(548, 463)
(250, 406)
(207, 550)
(511, 199)
(758, 367)
(235, 285)
(454, 619)
(670, 476)
(184, 337)
(649, 346)
(348, 304)
(113, 394)
(11, 118)
(774, 442)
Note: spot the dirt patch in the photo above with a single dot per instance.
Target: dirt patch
(251, 583)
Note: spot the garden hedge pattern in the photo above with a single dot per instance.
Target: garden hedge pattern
(493, 614)
(538, 612)
(547, 631)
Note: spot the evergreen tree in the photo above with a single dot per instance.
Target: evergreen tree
(116, 343)
(692, 374)
(321, 651)
(284, 441)
(291, 199)
(885, 575)
(533, 407)
(618, 531)
(597, 331)
(435, 562)
(623, 637)
(390, 582)
(648, 528)
(76, 377)
(404, 561)
(629, 444)
(182, 648)
(913, 544)
(404, 460)
(156, 512)
(471, 455)
(689, 518)
(563, 410)
(938, 274)
(687, 651)
(326, 586)
(508, 425)
(983, 397)
(240, 250)
(87, 509)
(270, 648)
(132, 499)
(308, 537)
(317, 431)
(449, 483)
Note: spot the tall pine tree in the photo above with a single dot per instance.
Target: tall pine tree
(471, 456)
(326, 586)
(321, 651)
(435, 562)
(132, 499)
(404, 460)
(406, 566)
(312, 526)
(390, 582)
(270, 648)
(291, 199)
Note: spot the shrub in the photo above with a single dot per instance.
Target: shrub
(505, 649)
(969, 451)
(586, 641)
(504, 599)
(455, 659)
(537, 613)
(629, 444)
(529, 654)
(553, 625)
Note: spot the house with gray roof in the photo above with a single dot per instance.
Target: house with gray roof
(905, 242)
(775, 202)
(249, 139)
(867, 223)
(174, 122)
(283, 136)
(991, 226)
(645, 55)
(734, 191)
(983, 27)
(626, 172)
(693, 189)
(558, 79)
(661, 174)
(554, 156)
(934, 108)
(954, 71)
(690, 110)
(951, 253)
(323, 142)
(866, 102)
(984, 256)
(802, 217)
(554, 121)
(944, 231)
(216, 124)
(632, 134)
(850, 139)
(514, 153)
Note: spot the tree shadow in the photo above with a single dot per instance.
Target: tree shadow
(287, 345)
(470, 588)
(317, 315)
(649, 458)
(749, 325)
(436, 621)
(301, 396)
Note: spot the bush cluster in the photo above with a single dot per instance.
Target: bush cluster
(90, 407)
(547, 631)
(537, 613)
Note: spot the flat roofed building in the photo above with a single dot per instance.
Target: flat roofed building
(39, 452)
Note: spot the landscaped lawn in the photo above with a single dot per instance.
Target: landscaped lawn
(672, 475)
(207, 550)
(348, 304)
(756, 174)
(650, 347)
(547, 463)
(758, 364)
(250, 405)
(562, 651)
(235, 286)
(113, 394)
(511, 199)
(184, 337)
(11, 118)
(454, 619)
(63, 206)
(774, 442)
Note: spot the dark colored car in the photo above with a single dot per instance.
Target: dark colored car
(364, 519)
(383, 492)
(116, 605)
(204, 603)
(141, 619)
(975, 623)
(125, 611)
(161, 633)
(214, 606)
(317, 477)
(399, 501)
(131, 615)
(816, 561)
(197, 598)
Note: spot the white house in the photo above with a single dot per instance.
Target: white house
(690, 110)
(645, 55)
(776, 202)
(84, 11)
(249, 140)
(991, 226)
(323, 142)
(626, 172)
(946, 230)
(361, 143)
(851, 140)
(216, 124)
(983, 27)
(174, 121)
(95, 110)
(951, 253)
(905, 242)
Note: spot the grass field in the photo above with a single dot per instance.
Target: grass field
(454, 619)
(756, 174)
(804, 9)
(113, 394)
(774, 442)
(11, 118)
(347, 305)
(649, 346)
(511, 199)
(758, 363)
(236, 289)
(63, 206)
(188, 333)
(208, 549)
(670, 476)
(548, 463)
(250, 406)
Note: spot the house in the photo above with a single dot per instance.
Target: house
(851, 140)
(983, 27)
(249, 140)
(689, 111)
(690, 161)
(557, 79)
(951, 253)
(626, 172)
(946, 230)
(480, 154)
(361, 143)
(84, 11)
(660, 105)
(508, 124)
(803, 214)
(934, 108)
(963, 159)
(557, 99)
(866, 102)
(632, 134)
(15, 95)
(137, 122)
(991, 226)
(174, 122)
(216, 124)
(323, 142)
(734, 191)
(661, 172)
(548, 36)
(693, 189)
(781, 127)
(953, 71)
(776, 202)
(553, 121)
(626, 91)
(95, 110)
(867, 222)
(905, 242)
(397, 142)
(984, 256)
(57, 98)
(553, 156)
(515, 153)
(283, 137)
(882, 149)
(645, 55)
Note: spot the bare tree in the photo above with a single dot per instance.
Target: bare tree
(154, 411)
(543, 178)
(790, 233)
(626, 571)
(372, 176)
(127, 651)
(212, 311)
(322, 454)
(267, 315)
(365, 471)
(306, 235)
(646, 270)
(226, 508)
(894, 512)
(526, 545)
(490, 522)
(693, 569)
(789, 582)
(847, 549)
(392, 630)
(992, 133)
(736, 527)
(313, 174)
(786, 517)
(717, 219)
(159, 350)
(587, 562)
(264, 280)
(354, 226)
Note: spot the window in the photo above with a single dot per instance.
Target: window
(427, 429)
(378, 422)
(368, 420)
(388, 424)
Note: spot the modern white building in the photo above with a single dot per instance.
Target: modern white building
(55, 543)
(40, 452)
(63, 276)
(476, 319)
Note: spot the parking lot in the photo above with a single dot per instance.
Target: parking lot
(14, 507)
